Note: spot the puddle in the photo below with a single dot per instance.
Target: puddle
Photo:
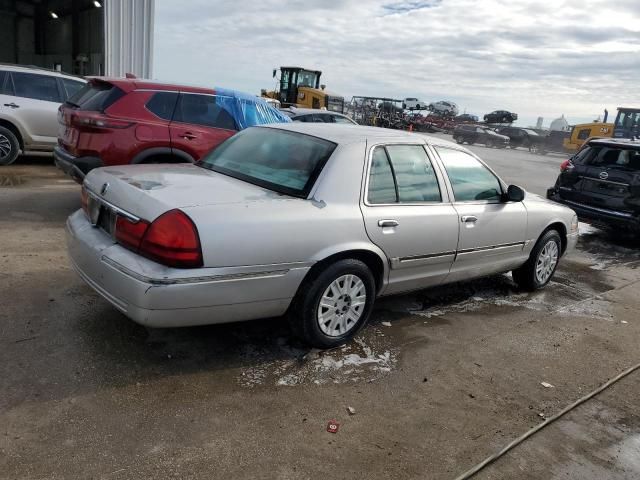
(365, 359)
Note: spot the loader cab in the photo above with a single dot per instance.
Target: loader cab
(627, 123)
(294, 78)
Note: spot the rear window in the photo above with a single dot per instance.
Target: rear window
(623, 159)
(286, 162)
(95, 97)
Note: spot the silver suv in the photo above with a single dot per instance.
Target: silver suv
(29, 101)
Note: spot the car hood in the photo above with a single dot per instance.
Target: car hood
(148, 191)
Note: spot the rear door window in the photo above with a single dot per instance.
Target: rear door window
(95, 97)
(203, 110)
(382, 187)
(162, 104)
(36, 87)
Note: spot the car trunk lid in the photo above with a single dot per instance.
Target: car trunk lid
(148, 191)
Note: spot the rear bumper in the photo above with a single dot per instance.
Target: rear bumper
(598, 216)
(75, 167)
(158, 296)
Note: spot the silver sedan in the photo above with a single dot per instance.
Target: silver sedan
(310, 220)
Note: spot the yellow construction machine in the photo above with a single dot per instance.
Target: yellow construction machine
(300, 87)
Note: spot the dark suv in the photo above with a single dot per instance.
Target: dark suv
(475, 134)
(500, 116)
(521, 137)
(602, 183)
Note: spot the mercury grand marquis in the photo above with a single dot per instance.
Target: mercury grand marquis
(309, 220)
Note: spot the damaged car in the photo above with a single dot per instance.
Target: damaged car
(312, 221)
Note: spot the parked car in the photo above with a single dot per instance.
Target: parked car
(521, 137)
(466, 117)
(475, 134)
(316, 116)
(116, 121)
(444, 107)
(307, 219)
(413, 104)
(29, 101)
(602, 183)
(500, 116)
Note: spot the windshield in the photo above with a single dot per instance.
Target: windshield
(306, 79)
(282, 161)
(531, 132)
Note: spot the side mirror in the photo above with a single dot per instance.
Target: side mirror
(515, 193)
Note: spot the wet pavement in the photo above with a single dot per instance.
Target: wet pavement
(439, 380)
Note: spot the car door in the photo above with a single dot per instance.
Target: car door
(33, 103)
(408, 215)
(200, 124)
(492, 231)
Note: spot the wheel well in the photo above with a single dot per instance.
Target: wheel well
(10, 126)
(562, 230)
(370, 259)
(164, 158)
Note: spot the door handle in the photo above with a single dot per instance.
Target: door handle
(469, 219)
(388, 223)
(188, 136)
(12, 105)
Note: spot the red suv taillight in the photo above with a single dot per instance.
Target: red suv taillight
(97, 120)
(566, 165)
(171, 239)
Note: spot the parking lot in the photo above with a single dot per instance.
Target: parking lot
(439, 379)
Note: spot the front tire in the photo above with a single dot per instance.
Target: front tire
(333, 304)
(542, 263)
(9, 146)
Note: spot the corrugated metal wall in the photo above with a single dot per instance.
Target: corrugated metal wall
(128, 39)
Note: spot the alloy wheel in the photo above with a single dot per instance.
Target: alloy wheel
(547, 261)
(5, 147)
(341, 305)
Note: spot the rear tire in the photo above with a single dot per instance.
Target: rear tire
(489, 143)
(542, 263)
(333, 304)
(9, 146)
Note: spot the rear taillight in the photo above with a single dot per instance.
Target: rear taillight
(566, 165)
(97, 120)
(84, 199)
(172, 239)
(128, 233)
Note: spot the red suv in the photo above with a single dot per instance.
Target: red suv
(116, 121)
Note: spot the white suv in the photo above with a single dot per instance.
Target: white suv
(444, 107)
(413, 104)
(29, 101)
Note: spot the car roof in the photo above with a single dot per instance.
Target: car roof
(616, 142)
(34, 69)
(343, 134)
(129, 84)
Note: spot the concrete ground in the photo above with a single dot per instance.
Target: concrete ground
(86, 393)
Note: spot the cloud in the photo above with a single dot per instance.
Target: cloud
(569, 56)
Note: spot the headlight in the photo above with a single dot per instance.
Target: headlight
(574, 224)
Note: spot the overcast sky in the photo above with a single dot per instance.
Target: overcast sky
(537, 58)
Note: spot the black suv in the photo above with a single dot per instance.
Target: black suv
(521, 137)
(500, 116)
(602, 183)
(475, 134)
